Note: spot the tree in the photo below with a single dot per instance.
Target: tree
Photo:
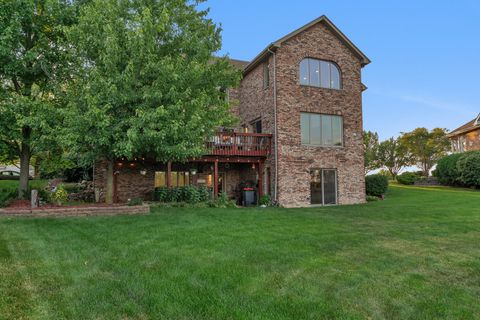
(370, 144)
(393, 156)
(425, 147)
(34, 61)
(149, 85)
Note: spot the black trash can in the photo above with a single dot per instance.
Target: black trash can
(248, 196)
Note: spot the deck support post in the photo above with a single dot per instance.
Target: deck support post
(215, 179)
(169, 174)
(260, 180)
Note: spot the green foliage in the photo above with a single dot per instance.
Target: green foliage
(408, 178)
(35, 65)
(468, 165)
(265, 200)
(6, 196)
(146, 80)
(425, 147)
(393, 155)
(372, 198)
(376, 185)
(135, 202)
(222, 202)
(447, 170)
(60, 196)
(188, 194)
(370, 145)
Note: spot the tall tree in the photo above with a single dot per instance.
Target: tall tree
(370, 145)
(425, 147)
(393, 155)
(149, 85)
(34, 60)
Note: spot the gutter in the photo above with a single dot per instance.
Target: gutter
(275, 192)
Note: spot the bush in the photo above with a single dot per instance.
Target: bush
(447, 171)
(7, 196)
(376, 184)
(135, 202)
(60, 196)
(189, 194)
(408, 178)
(265, 200)
(468, 165)
(372, 198)
(222, 202)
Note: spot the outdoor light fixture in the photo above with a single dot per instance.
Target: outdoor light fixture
(143, 172)
(193, 171)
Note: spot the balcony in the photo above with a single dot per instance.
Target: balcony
(240, 144)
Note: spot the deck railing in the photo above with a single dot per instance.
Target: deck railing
(240, 144)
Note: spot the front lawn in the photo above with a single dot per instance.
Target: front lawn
(415, 255)
(13, 184)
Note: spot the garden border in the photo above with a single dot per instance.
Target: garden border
(77, 212)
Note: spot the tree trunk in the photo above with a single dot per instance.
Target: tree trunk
(25, 154)
(109, 191)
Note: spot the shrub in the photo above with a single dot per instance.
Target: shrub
(447, 171)
(135, 202)
(222, 202)
(190, 194)
(376, 184)
(408, 178)
(468, 165)
(60, 196)
(265, 200)
(372, 198)
(7, 196)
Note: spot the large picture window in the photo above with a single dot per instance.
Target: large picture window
(321, 129)
(319, 73)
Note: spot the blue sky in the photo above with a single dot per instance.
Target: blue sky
(425, 68)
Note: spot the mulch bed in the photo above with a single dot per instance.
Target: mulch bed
(26, 205)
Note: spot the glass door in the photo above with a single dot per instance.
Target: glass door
(323, 186)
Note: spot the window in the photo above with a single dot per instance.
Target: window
(319, 73)
(178, 179)
(321, 130)
(266, 75)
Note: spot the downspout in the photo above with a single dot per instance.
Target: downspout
(275, 190)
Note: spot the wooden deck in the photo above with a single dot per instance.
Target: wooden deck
(240, 144)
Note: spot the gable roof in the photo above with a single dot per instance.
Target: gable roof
(322, 19)
(467, 127)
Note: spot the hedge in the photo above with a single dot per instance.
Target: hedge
(376, 185)
(408, 178)
(468, 166)
(459, 169)
(447, 171)
(190, 194)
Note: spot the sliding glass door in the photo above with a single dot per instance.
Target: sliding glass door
(323, 186)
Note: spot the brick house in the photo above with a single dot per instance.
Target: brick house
(466, 137)
(300, 133)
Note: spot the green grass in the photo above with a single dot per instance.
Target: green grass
(13, 184)
(415, 255)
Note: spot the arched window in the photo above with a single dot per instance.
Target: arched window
(319, 73)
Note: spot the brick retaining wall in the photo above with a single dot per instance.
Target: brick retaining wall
(80, 211)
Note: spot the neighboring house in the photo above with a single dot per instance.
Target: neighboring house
(300, 133)
(466, 137)
(16, 168)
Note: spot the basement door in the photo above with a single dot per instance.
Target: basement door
(323, 186)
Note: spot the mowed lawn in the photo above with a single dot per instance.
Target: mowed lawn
(415, 255)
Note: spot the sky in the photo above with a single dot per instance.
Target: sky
(425, 69)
